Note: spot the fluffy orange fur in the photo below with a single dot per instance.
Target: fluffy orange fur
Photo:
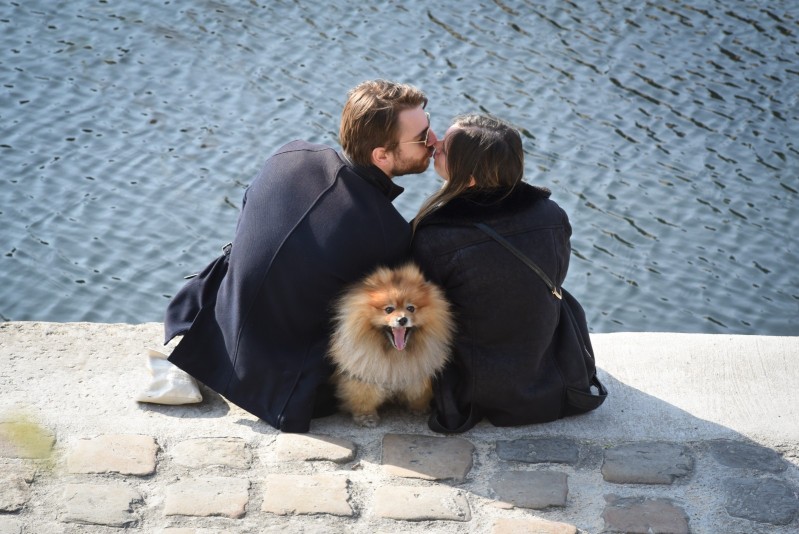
(392, 335)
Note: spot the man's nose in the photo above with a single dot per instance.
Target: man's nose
(432, 139)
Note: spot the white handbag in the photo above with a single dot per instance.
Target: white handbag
(169, 384)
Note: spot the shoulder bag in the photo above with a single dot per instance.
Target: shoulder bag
(575, 357)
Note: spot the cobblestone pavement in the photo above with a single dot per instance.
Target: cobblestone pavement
(77, 455)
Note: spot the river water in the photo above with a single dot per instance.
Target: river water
(667, 130)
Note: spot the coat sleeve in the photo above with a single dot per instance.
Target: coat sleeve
(452, 413)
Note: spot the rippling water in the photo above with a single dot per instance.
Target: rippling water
(666, 129)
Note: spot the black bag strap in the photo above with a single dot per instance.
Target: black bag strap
(530, 263)
(581, 401)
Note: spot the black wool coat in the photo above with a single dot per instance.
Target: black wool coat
(502, 365)
(256, 322)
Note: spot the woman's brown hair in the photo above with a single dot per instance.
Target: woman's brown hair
(482, 153)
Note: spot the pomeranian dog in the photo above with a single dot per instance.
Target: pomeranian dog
(391, 335)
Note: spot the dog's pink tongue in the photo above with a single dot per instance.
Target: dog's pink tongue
(399, 337)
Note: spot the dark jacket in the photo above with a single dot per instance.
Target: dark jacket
(502, 366)
(256, 323)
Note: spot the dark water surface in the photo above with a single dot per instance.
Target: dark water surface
(668, 130)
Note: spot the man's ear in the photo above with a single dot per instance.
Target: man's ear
(380, 156)
(383, 160)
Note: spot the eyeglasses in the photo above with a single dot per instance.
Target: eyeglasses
(426, 134)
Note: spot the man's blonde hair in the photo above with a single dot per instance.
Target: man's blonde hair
(371, 117)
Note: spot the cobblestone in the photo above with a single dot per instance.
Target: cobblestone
(765, 500)
(307, 494)
(646, 463)
(531, 526)
(639, 515)
(747, 456)
(206, 452)
(124, 454)
(210, 496)
(429, 503)
(15, 490)
(531, 489)
(427, 457)
(100, 504)
(540, 450)
(309, 447)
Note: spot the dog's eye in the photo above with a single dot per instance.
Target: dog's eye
(389, 309)
(411, 308)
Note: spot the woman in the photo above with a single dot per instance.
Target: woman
(503, 363)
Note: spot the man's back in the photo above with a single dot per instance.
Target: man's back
(309, 226)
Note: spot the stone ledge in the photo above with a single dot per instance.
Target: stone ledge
(740, 442)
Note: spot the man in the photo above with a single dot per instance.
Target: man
(256, 321)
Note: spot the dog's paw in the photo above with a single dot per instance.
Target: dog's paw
(369, 420)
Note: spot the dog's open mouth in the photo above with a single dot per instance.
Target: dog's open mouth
(399, 336)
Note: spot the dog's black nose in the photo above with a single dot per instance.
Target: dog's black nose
(402, 321)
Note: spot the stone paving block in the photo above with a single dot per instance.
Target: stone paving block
(127, 454)
(100, 504)
(646, 463)
(206, 452)
(310, 447)
(531, 526)
(428, 503)
(427, 457)
(634, 515)
(10, 525)
(531, 489)
(210, 496)
(766, 500)
(307, 494)
(25, 439)
(15, 484)
(746, 455)
(540, 450)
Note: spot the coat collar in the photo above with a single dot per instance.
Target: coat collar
(475, 206)
(379, 179)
